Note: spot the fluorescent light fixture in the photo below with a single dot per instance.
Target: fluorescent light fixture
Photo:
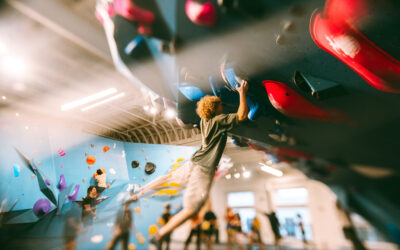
(228, 176)
(170, 113)
(246, 174)
(153, 110)
(104, 101)
(88, 99)
(236, 175)
(16, 114)
(13, 66)
(271, 170)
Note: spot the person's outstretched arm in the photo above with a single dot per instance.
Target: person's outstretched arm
(243, 109)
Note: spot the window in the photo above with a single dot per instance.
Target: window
(292, 212)
(243, 204)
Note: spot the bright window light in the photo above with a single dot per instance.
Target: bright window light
(170, 113)
(88, 99)
(246, 174)
(236, 175)
(153, 110)
(271, 170)
(13, 66)
(228, 176)
(104, 101)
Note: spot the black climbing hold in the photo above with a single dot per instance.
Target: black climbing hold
(135, 164)
(150, 168)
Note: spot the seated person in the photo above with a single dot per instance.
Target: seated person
(100, 177)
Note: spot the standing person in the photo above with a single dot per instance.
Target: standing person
(195, 230)
(122, 228)
(301, 226)
(165, 217)
(230, 232)
(208, 227)
(348, 227)
(274, 222)
(255, 235)
(89, 206)
(199, 172)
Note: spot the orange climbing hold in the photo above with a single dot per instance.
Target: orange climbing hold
(90, 160)
(153, 229)
(106, 148)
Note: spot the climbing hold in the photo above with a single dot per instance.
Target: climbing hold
(61, 152)
(146, 158)
(61, 184)
(106, 148)
(38, 163)
(97, 238)
(180, 159)
(161, 221)
(168, 192)
(144, 179)
(143, 150)
(174, 184)
(201, 14)
(92, 145)
(135, 164)
(131, 246)
(62, 166)
(290, 103)
(150, 168)
(90, 160)
(163, 185)
(123, 154)
(86, 154)
(280, 39)
(288, 26)
(112, 171)
(32, 176)
(17, 170)
(137, 209)
(89, 167)
(47, 181)
(83, 180)
(176, 165)
(153, 229)
(333, 31)
(41, 207)
(115, 145)
(72, 197)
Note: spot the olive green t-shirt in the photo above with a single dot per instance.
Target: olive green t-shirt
(213, 135)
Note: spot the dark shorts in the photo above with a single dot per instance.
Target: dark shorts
(100, 189)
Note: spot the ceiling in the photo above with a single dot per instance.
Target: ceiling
(61, 66)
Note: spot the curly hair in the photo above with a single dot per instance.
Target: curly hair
(207, 106)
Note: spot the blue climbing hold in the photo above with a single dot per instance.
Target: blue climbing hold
(192, 93)
(17, 170)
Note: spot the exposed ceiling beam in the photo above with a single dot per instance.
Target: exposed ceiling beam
(58, 17)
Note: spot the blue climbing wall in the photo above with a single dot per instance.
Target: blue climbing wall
(57, 151)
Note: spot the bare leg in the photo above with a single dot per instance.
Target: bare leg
(151, 185)
(175, 222)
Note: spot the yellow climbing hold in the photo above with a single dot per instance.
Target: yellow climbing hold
(131, 246)
(153, 229)
(167, 192)
(180, 159)
(176, 165)
(163, 185)
(174, 184)
(137, 209)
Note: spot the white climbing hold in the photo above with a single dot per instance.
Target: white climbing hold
(112, 171)
(115, 145)
(123, 153)
(97, 238)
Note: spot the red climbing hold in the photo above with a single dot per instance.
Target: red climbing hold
(129, 10)
(201, 14)
(334, 32)
(290, 103)
(106, 148)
